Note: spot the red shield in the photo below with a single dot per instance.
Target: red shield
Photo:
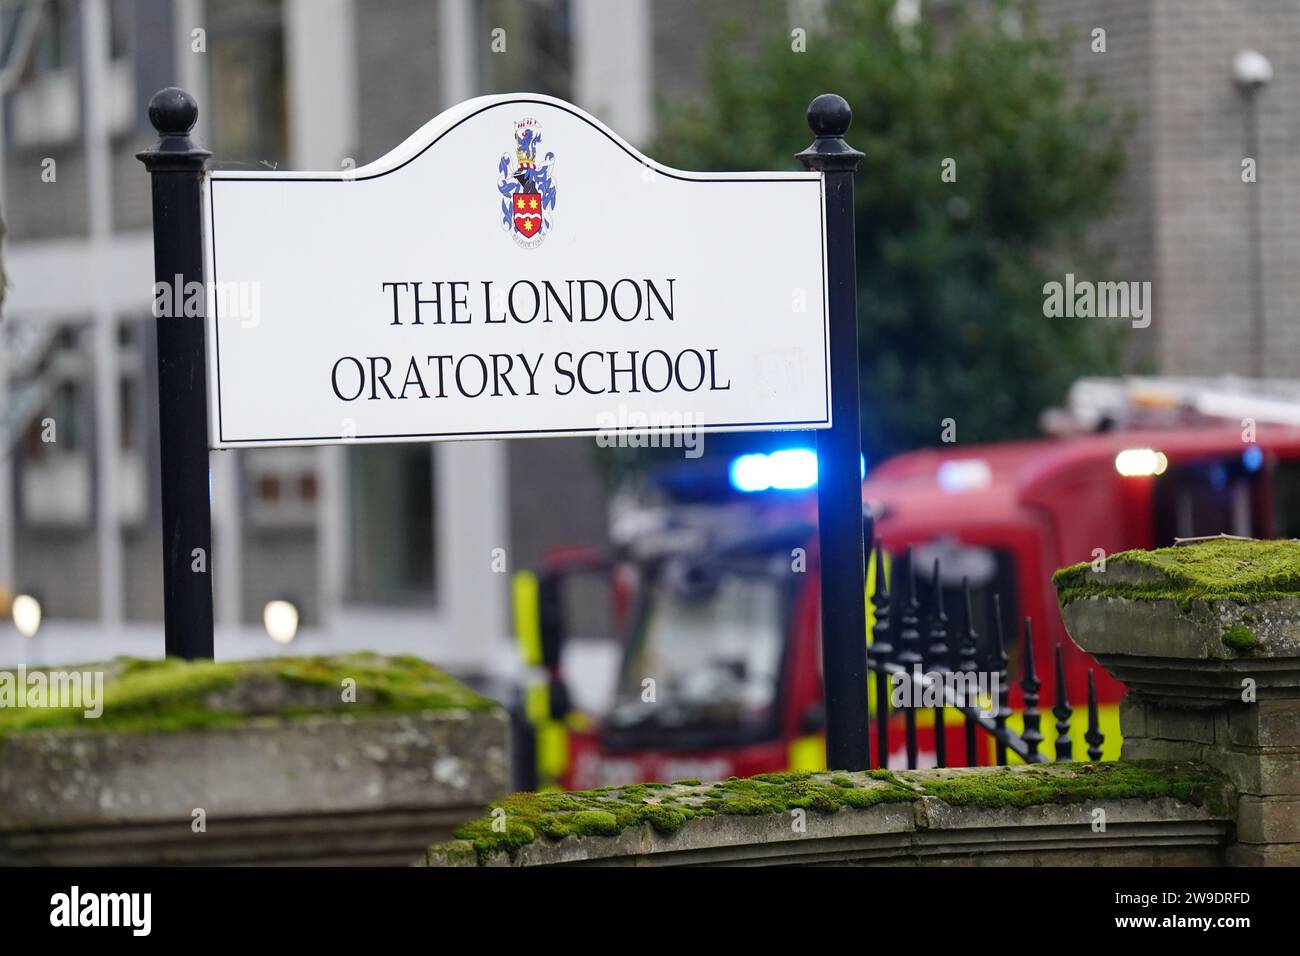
(528, 214)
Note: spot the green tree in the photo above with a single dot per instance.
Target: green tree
(950, 273)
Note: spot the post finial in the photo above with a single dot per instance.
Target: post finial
(829, 117)
(173, 113)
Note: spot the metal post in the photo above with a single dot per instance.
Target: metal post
(839, 450)
(1254, 241)
(177, 169)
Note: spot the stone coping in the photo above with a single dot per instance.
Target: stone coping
(166, 696)
(1040, 813)
(1226, 570)
(333, 764)
(1191, 625)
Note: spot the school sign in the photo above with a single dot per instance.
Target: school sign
(513, 269)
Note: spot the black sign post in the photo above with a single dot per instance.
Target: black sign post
(839, 452)
(177, 166)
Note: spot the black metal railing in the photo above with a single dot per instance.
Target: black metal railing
(916, 648)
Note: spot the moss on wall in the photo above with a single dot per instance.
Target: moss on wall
(521, 818)
(141, 696)
(1080, 782)
(1228, 570)
(1240, 638)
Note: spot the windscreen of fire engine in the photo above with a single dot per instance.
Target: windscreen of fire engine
(712, 641)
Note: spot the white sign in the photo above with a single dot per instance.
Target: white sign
(513, 269)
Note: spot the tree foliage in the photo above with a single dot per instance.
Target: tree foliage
(950, 273)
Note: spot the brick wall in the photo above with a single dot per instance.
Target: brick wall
(1182, 216)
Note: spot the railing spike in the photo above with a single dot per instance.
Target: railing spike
(909, 652)
(1029, 686)
(1061, 709)
(967, 652)
(1004, 686)
(882, 652)
(1094, 735)
(938, 653)
(937, 662)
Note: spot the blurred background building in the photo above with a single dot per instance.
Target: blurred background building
(394, 547)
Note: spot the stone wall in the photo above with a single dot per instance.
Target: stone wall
(272, 760)
(1205, 636)
(1044, 815)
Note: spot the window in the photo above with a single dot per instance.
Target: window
(392, 496)
(1286, 499)
(121, 23)
(44, 109)
(249, 95)
(56, 42)
(1207, 497)
(55, 468)
(538, 54)
(713, 636)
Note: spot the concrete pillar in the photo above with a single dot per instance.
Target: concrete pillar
(456, 46)
(612, 65)
(94, 46)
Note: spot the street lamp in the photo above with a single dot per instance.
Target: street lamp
(1251, 72)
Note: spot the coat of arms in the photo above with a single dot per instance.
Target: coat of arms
(527, 187)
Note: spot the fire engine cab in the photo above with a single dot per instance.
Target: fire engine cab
(714, 581)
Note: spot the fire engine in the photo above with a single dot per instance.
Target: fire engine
(714, 577)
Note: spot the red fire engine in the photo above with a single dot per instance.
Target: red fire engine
(716, 591)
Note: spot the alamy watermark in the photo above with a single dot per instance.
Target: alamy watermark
(226, 300)
(966, 689)
(1084, 299)
(133, 911)
(71, 690)
(629, 428)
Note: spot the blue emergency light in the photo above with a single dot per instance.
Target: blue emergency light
(790, 469)
(1252, 458)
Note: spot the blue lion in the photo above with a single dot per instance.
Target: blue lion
(537, 180)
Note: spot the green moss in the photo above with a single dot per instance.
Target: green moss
(1080, 782)
(666, 820)
(1241, 639)
(611, 810)
(608, 811)
(1233, 571)
(785, 777)
(160, 696)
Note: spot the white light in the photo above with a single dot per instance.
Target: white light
(281, 621)
(792, 469)
(1141, 462)
(964, 475)
(750, 473)
(1251, 70)
(27, 615)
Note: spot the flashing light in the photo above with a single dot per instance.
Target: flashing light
(964, 475)
(1252, 459)
(1141, 462)
(790, 469)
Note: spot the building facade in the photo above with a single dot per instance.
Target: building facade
(410, 547)
(397, 548)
